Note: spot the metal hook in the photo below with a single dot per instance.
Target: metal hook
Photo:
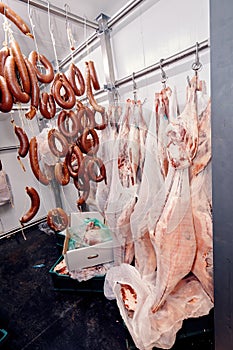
(163, 74)
(134, 87)
(196, 66)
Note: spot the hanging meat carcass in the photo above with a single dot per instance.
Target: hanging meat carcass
(158, 306)
(152, 190)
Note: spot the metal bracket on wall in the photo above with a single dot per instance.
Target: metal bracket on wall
(105, 42)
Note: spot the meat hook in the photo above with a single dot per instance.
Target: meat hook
(196, 66)
(163, 74)
(134, 87)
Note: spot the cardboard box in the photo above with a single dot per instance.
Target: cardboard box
(89, 256)
(92, 255)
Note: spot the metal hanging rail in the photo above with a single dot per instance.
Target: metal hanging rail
(115, 19)
(61, 13)
(9, 233)
(169, 60)
(124, 12)
(78, 50)
(157, 66)
(9, 148)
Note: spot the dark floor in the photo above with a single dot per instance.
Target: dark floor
(38, 317)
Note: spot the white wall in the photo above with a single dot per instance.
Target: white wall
(155, 30)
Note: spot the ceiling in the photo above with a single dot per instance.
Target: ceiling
(88, 9)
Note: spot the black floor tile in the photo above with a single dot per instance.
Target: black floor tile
(37, 317)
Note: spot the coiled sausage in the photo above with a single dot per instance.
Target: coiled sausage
(88, 146)
(66, 100)
(47, 105)
(62, 174)
(73, 160)
(57, 219)
(96, 170)
(12, 81)
(86, 118)
(54, 135)
(46, 77)
(21, 65)
(72, 74)
(63, 120)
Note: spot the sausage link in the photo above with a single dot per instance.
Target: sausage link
(62, 174)
(46, 77)
(35, 90)
(94, 167)
(4, 53)
(93, 76)
(82, 181)
(66, 101)
(83, 198)
(74, 72)
(103, 124)
(34, 162)
(74, 155)
(6, 99)
(23, 140)
(21, 65)
(89, 92)
(12, 81)
(63, 123)
(86, 118)
(54, 135)
(16, 19)
(88, 146)
(47, 105)
(57, 219)
(35, 205)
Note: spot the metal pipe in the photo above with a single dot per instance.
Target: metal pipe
(106, 48)
(115, 19)
(170, 60)
(124, 12)
(61, 13)
(8, 148)
(19, 229)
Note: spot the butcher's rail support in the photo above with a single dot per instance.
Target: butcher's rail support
(105, 44)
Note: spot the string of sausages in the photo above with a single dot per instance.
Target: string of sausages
(74, 141)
